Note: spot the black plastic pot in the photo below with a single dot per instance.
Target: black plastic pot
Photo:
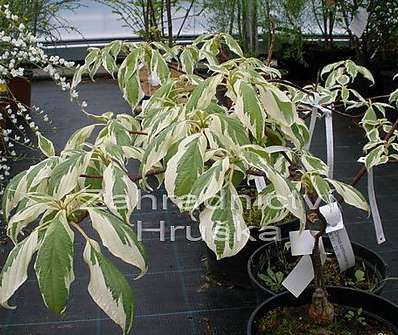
(21, 88)
(373, 306)
(362, 254)
(232, 270)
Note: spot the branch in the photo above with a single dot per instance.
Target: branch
(288, 83)
(132, 177)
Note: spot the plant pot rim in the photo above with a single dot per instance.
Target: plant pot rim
(379, 261)
(332, 291)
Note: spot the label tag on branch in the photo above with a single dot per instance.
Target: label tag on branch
(329, 142)
(374, 209)
(342, 248)
(300, 277)
(359, 22)
(301, 242)
(333, 216)
(314, 115)
(260, 183)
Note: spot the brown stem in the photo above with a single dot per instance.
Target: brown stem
(321, 311)
(138, 133)
(132, 177)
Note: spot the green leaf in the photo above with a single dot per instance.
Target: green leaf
(46, 146)
(119, 238)
(54, 263)
(109, 288)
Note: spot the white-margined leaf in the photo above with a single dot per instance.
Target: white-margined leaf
(249, 109)
(23, 218)
(13, 193)
(79, 137)
(227, 127)
(287, 193)
(14, 272)
(232, 44)
(312, 163)
(54, 263)
(350, 195)
(277, 105)
(109, 288)
(376, 157)
(119, 238)
(272, 209)
(159, 67)
(209, 183)
(184, 168)
(45, 145)
(188, 58)
(160, 145)
(120, 193)
(222, 226)
(321, 187)
(203, 94)
(65, 176)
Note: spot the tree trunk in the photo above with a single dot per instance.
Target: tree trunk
(169, 23)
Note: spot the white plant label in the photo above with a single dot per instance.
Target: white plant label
(300, 277)
(260, 183)
(342, 248)
(333, 216)
(359, 22)
(329, 142)
(302, 242)
(375, 209)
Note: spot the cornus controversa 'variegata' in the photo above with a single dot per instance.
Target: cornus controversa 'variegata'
(200, 148)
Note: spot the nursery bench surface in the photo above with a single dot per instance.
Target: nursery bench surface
(175, 297)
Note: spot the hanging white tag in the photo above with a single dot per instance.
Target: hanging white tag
(374, 209)
(300, 277)
(314, 114)
(333, 216)
(359, 22)
(342, 248)
(329, 142)
(302, 242)
(153, 79)
(260, 183)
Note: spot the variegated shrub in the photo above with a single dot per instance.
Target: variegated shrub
(199, 135)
